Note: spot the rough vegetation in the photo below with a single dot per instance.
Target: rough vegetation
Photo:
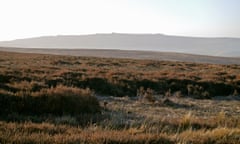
(58, 101)
(117, 77)
(66, 99)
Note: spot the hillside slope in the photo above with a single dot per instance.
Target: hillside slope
(169, 56)
(148, 42)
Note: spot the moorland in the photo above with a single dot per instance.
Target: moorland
(75, 99)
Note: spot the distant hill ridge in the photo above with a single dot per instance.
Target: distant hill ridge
(227, 47)
(130, 54)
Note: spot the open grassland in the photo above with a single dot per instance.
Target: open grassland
(128, 120)
(66, 99)
(117, 77)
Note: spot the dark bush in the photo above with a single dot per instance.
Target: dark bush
(60, 100)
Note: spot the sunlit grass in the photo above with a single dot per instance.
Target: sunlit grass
(66, 99)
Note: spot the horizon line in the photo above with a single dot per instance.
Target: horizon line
(115, 33)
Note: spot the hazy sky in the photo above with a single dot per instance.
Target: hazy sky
(31, 18)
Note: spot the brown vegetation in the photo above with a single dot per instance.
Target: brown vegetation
(117, 77)
(60, 100)
(57, 99)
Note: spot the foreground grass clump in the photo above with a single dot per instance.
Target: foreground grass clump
(50, 133)
(57, 101)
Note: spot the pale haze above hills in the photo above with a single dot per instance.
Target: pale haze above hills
(227, 47)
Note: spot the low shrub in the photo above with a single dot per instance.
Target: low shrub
(60, 100)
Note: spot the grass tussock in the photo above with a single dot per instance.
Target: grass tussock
(59, 100)
(218, 135)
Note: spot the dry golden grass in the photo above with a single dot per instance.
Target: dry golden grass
(49, 133)
(117, 77)
(55, 99)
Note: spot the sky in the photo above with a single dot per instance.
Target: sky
(199, 18)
